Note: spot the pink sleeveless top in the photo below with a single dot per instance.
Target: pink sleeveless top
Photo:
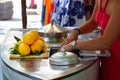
(110, 66)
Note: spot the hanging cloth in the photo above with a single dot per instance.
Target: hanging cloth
(49, 9)
(77, 13)
(43, 13)
(61, 12)
(68, 13)
(32, 3)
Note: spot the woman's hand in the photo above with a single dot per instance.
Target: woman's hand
(72, 36)
(67, 47)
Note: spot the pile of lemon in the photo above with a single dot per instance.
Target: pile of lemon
(31, 43)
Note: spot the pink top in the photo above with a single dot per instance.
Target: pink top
(110, 66)
(102, 17)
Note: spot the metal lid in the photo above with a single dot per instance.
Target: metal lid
(53, 33)
(53, 28)
(63, 58)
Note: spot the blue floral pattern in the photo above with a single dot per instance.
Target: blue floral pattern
(68, 12)
(78, 9)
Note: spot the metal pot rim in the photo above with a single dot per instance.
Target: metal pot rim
(53, 34)
(60, 59)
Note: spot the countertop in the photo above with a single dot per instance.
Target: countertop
(37, 68)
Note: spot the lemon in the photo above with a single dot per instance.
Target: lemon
(35, 33)
(29, 38)
(37, 46)
(17, 44)
(24, 49)
(45, 49)
(41, 38)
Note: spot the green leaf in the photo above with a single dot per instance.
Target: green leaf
(13, 51)
(17, 45)
(17, 39)
(24, 55)
(36, 52)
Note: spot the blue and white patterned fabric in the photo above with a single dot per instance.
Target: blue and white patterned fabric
(68, 13)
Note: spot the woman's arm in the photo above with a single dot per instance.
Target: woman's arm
(111, 32)
(89, 26)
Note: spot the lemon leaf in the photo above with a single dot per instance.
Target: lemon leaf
(13, 51)
(17, 47)
(24, 55)
(36, 52)
(17, 39)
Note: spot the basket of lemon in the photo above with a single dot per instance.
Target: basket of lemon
(31, 46)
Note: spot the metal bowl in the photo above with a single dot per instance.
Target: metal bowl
(53, 33)
(54, 40)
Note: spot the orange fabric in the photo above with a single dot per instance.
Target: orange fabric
(49, 9)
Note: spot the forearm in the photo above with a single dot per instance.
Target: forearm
(94, 44)
(88, 27)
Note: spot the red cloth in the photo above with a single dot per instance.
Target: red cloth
(110, 67)
(32, 3)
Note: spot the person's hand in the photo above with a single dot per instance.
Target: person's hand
(72, 36)
(67, 47)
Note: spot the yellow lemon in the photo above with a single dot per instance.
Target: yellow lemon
(45, 49)
(24, 49)
(35, 33)
(29, 38)
(17, 44)
(41, 38)
(37, 46)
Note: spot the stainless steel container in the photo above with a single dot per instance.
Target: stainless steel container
(53, 34)
(64, 58)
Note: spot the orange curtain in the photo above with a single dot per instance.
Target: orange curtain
(49, 9)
